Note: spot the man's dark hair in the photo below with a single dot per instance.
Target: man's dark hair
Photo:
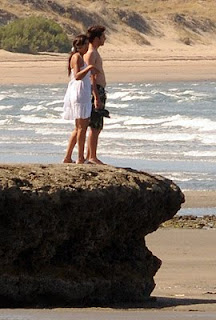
(95, 32)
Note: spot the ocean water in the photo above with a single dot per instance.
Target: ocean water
(161, 128)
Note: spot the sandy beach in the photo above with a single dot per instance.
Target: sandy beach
(188, 269)
(186, 281)
(199, 199)
(149, 64)
(53, 70)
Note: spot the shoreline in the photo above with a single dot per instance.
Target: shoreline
(150, 65)
(54, 72)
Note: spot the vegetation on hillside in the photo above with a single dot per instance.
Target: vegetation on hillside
(33, 35)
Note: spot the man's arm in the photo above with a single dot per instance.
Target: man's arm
(90, 58)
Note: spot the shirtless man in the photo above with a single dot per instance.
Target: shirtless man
(92, 57)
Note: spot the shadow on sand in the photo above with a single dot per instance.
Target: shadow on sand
(166, 302)
(149, 303)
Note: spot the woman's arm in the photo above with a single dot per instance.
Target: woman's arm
(77, 63)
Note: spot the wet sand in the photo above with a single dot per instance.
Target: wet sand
(102, 314)
(188, 268)
(200, 199)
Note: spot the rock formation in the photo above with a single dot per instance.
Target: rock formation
(73, 235)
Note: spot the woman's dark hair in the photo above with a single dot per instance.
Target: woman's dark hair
(94, 32)
(78, 42)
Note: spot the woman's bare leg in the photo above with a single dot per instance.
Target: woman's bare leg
(81, 125)
(71, 144)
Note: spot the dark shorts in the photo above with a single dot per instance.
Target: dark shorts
(96, 120)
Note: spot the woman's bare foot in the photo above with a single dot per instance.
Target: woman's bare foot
(95, 161)
(68, 160)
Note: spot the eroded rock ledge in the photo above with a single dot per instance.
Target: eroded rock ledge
(73, 235)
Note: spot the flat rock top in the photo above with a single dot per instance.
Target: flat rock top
(36, 176)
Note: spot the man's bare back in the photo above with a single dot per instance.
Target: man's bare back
(95, 58)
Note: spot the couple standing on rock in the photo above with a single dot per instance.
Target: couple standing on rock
(85, 96)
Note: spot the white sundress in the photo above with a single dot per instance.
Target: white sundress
(77, 100)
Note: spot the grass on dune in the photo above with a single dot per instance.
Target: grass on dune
(205, 8)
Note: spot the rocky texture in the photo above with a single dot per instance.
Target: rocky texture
(191, 222)
(74, 234)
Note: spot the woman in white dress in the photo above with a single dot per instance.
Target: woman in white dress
(77, 101)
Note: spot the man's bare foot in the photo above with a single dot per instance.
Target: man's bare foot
(95, 161)
(68, 160)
